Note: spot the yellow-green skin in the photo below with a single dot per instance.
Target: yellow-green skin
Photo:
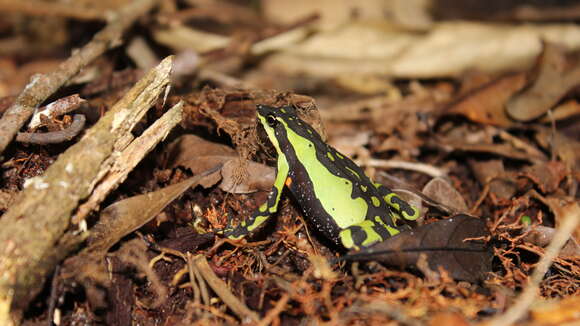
(334, 193)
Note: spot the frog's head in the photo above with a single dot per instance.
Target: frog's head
(283, 127)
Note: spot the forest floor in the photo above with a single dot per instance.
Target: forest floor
(129, 138)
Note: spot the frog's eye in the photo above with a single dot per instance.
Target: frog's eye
(271, 120)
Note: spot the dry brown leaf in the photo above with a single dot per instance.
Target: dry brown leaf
(566, 148)
(119, 220)
(411, 14)
(12, 83)
(332, 12)
(187, 150)
(487, 104)
(555, 78)
(443, 245)
(240, 179)
(492, 172)
(453, 48)
(464, 139)
(547, 176)
(127, 215)
(448, 319)
(350, 142)
(182, 38)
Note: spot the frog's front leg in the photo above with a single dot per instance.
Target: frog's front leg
(262, 214)
(366, 233)
(401, 207)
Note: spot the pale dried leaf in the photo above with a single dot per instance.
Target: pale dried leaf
(259, 177)
(556, 312)
(448, 50)
(181, 38)
(442, 191)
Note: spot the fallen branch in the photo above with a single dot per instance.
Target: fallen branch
(43, 86)
(128, 159)
(33, 229)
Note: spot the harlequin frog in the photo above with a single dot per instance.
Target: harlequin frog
(333, 192)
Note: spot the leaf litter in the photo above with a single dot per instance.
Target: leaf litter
(494, 140)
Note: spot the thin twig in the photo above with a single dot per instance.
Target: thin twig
(520, 144)
(412, 166)
(52, 301)
(198, 279)
(192, 280)
(214, 312)
(482, 196)
(221, 289)
(202, 287)
(55, 109)
(54, 137)
(274, 312)
(570, 219)
(42, 86)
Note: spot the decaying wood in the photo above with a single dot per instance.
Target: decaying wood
(55, 109)
(42, 86)
(37, 222)
(129, 158)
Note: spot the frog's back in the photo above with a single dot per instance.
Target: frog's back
(332, 190)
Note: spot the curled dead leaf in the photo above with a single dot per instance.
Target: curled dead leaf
(197, 154)
(554, 80)
(547, 176)
(257, 177)
(442, 191)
